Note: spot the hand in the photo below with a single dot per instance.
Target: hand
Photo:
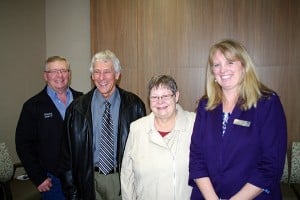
(45, 186)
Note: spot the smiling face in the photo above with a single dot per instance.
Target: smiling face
(163, 102)
(57, 75)
(228, 73)
(105, 77)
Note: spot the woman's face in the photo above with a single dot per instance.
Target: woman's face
(163, 102)
(228, 73)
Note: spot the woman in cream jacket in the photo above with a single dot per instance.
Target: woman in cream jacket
(156, 157)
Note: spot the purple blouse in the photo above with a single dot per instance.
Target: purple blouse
(251, 151)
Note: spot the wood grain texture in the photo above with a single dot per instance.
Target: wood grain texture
(174, 36)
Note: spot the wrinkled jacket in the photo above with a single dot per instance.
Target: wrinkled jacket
(77, 156)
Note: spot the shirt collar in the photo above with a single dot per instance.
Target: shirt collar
(53, 94)
(111, 99)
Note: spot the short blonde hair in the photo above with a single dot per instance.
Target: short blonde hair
(56, 58)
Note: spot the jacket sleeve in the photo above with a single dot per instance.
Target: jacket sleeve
(273, 137)
(197, 167)
(141, 109)
(65, 169)
(27, 144)
(127, 173)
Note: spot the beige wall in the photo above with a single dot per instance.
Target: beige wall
(22, 49)
(30, 31)
(68, 34)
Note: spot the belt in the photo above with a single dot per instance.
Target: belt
(114, 170)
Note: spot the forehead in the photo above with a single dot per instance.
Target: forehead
(225, 55)
(160, 88)
(57, 64)
(103, 64)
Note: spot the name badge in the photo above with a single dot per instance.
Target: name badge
(241, 122)
(47, 115)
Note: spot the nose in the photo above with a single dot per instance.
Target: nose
(223, 68)
(101, 76)
(159, 99)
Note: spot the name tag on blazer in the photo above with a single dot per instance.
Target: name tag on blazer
(241, 122)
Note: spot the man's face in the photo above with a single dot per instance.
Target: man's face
(105, 77)
(57, 75)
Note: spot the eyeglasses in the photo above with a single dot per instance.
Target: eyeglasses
(104, 72)
(166, 97)
(57, 71)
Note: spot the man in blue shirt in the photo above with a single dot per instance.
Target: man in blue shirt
(41, 126)
(85, 176)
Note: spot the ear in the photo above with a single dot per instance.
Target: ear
(117, 75)
(177, 96)
(45, 76)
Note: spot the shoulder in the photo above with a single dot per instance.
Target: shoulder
(185, 119)
(269, 98)
(75, 93)
(130, 98)
(37, 98)
(82, 102)
(143, 121)
(202, 103)
(185, 113)
(270, 106)
(203, 100)
(128, 95)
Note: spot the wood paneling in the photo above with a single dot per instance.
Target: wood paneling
(173, 37)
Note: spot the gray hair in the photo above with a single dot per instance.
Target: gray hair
(164, 81)
(106, 55)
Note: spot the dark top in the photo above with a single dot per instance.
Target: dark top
(38, 136)
(252, 149)
(77, 165)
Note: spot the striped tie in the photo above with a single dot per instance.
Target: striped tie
(106, 163)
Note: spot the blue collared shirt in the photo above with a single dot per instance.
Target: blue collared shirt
(61, 107)
(98, 107)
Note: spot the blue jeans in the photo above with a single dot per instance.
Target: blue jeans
(55, 193)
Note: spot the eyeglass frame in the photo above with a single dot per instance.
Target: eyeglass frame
(106, 72)
(166, 97)
(57, 71)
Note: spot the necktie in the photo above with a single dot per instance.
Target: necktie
(106, 162)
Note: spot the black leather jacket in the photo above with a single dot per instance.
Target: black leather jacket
(77, 156)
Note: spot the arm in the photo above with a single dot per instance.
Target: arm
(65, 168)
(26, 140)
(127, 173)
(249, 191)
(273, 137)
(199, 175)
(206, 188)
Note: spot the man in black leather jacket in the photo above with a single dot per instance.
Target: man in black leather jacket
(81, 176)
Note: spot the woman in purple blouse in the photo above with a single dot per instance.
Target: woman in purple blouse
(239, 139)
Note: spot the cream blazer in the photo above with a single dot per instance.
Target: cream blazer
(156, 168)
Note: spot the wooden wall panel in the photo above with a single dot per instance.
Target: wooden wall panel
(173, 37)
(114, 27)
